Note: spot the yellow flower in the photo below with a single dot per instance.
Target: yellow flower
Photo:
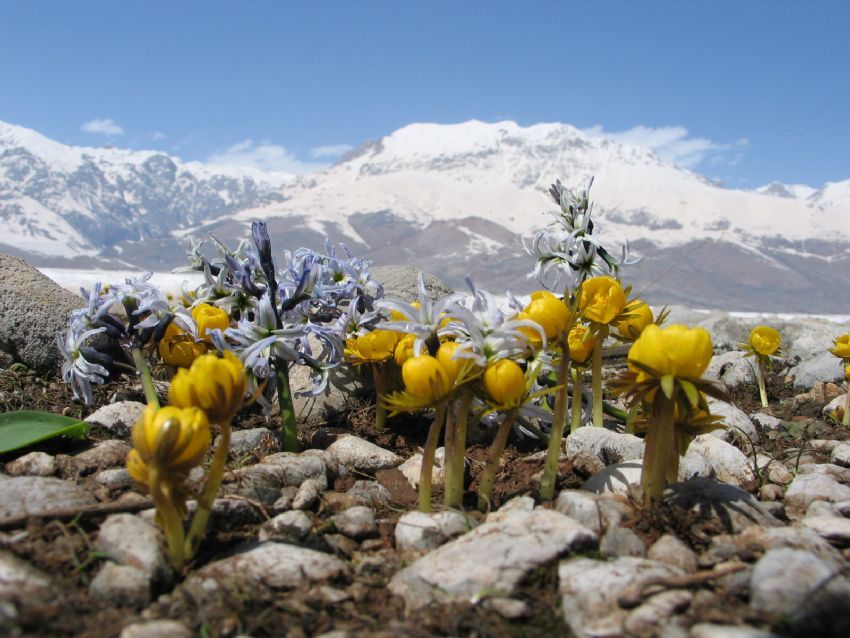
(549, 312)
(404, 349)
(178, 348)
(209, 317)
(374, 346)
(632, 327)
(505, 382)
(842, 347)
(581, 344)
(174, 440)
(675, 350)
(425, 378)
(452, 367)
(601, 300)
(214, 384)
(764, 340)
(847, 373)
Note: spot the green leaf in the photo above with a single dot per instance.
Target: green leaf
(668, 384)
(26, 427)
(690, 392)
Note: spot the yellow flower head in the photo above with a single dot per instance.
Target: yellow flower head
(174, 440)
(847, 372)
(505, 382)
(452, 367)
(179, 348)
(632, 327)
(425, 378)
(375, 346)
(675, 350)
(549, 312)
(581, 344)
(404, 349)
(842, 347)
(214, 384)
(601, 300)
(209, 317)
(764, 340)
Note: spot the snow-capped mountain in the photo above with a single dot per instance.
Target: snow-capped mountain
(454, 200)
(58, 201)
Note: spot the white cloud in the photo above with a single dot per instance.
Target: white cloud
(333, 150)
(675, 145)
(158, 135)
(104, 126)
(263, 156)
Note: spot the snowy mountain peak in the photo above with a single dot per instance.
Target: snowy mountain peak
(778, 189)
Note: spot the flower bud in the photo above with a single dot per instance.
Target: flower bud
(425, 378)
(404, 349)
(675, 350)
(452, 366)
(601, 300)
(765, 340)
(504, 381)
(214, 384)
(178, 348)
(209, 317)
(580, 343)
(549, 312)
(632, 327)
(842, 347)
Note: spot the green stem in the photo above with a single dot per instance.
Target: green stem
(454, 490)
(762, 388)
(144, 371)
(660, 444)
(287, 410)
(488, 476)
(449, 449)
(428, 459)
(846, 419)
(208, 492)
(576, 421)
(615, 412)
(559, 417)
(172, 525)
(597, 381)
(380, 392)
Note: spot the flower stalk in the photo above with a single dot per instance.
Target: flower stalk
(761, 382)
(144, 371)
(172, 522)
(660, 457)
(559, 417)
(426, 472)
(575, 424)
(380, 392)
(287, 409)
(457, 460)
(488, 476)
(596, 375)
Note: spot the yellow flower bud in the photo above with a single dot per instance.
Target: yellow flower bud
(378, 344)
(675, 350)
(632, 327)
(178, 348)
(209, 317)
(765, 340)
(581, 343)
(847, 373)
(452, 367)
(842, 347)
(404, 349)
(602, 299)
(425, 378)
(505, 382)
(549, 312)
(174, 440)
(214, 384)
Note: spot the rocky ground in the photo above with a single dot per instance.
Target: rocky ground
(753, 542)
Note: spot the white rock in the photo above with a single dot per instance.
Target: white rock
(729, 463)
(293, 524)
(412, 468)
(36, 495)
(121, 585)
(838, 402)
(523, 503)
(765, 421)
(18, 577)
(418, 531)
(834, 529)
(129, 540)
(840, 474)
(276, 565)
(737, 422)
(283, 469)
(494, 556)
(732, 369)
(775, 469)
(590, 449)
(619, 478)
(670, 550)
(705, 502)
(806, 488)
(820, 367)
(356, 522)
(32, 464)
(658, 612)
(370, 493)
(590, 590)
(582, 507)
(707, 630)
(118, 417)
(156, 629)
(361, 455)
(256, 442)
(621, 541)
(308, 493)
(115, 478)
(840, 454)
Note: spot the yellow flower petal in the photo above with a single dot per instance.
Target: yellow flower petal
(601, 300)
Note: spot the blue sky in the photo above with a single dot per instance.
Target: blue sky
(745, 91)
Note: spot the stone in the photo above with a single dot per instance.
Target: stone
(773, 592)
(590, 591)
(356, 522)
(621, 541)
(294, 524)
(840, 474)
(156, 629)
(765, 421)
(412, 468)
(706, 630)
(840, 455)
(832, 528)
(402, 282)
(757, 539)
(33, 309)
(114, 479)
(105, 454)
(308, 493)
(619, 478)
(129, 540)
(275, 565)
(284, 501)
(709, 505)
(509, 608)
(32, 464)
(361, 455)
(38, 496)
(495, 556)
(524, 503)
(806, 488)
(732, 369)
(729, 463)
(590, 449)
(771, 492)
(121, 585)
(283, 469)
(658, 612)
(774, 470)
(822, 508)
(822, 367)
(370, 493)
(119, 417)
(420, 532)
(17, 577)
(253, 442)
(670, 550)
(739, 425)
(581, 507)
